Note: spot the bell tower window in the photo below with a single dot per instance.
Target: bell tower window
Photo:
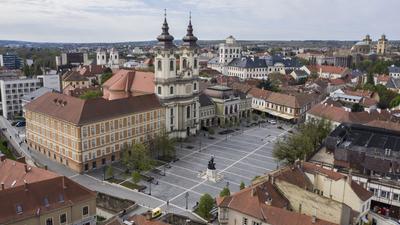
(188, 112)
(195, 64)
(171, 65)
(171, 90)
(159, 67)
(184, 63)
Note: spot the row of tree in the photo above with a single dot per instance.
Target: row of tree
(303, 143)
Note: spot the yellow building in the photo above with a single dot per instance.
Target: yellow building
(32, 196)
(381, 46)
(85, 134)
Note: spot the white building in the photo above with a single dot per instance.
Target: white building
(114, 58)
(247, 67)
(101, 57)
(178, 88)
(226, 53)
(229, 50)
(1, 61)
(394, 71)
(51, 81)
(11, 93)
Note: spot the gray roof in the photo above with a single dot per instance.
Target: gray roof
(394, 69)
(393, 83)
(37, 93)
(288, 62)
(248, 62)
(205, 100)
(300, 73)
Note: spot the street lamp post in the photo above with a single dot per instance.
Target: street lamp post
(149, 187)
(186, 198)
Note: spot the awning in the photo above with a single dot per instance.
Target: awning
(285, 116)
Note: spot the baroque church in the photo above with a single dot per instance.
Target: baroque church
(177, 84)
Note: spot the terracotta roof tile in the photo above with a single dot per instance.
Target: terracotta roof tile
(361, 192)
(79, 111)
(40, 184)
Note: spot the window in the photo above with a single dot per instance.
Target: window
(159, 90)
(63, 218)
(195, 86)
(49, 221)
(396, 197)
(85, 211)
(61, 198)
(171, 65)
(159, 68)
(46, 202)
(384, 194)
(188, 112)
(244, 221)
(171, 90)
(18, 208)
(184, 63)
(195, 64)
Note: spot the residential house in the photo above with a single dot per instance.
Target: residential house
(32, 196)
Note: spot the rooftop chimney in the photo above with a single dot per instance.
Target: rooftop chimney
(26, 185)
(2, 186)
(350, 177)
(45, 167)
(314, 216)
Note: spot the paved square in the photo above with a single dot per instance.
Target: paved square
(239, 157)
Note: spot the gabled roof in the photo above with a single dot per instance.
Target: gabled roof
(205, 100)
(79, 111)
(248, 62)
(40, 191)
(128, 82)
(73, 76)
(361, 192)
(393, 83)
(394, 69)
(264, 202)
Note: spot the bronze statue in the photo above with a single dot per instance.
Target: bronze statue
(211, 164)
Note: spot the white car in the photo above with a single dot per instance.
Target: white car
(273, 122)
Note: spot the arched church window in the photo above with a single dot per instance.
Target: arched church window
(195, 64)
(171, 65)
(184, 63)
(195, 86)
(171, 90)
(231, 109)
(159, 90)
(226, 110)
(188, 112)
(159, 65)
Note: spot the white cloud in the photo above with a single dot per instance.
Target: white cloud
(123, 20)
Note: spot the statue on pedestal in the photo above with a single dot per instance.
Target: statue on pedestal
(211, 164)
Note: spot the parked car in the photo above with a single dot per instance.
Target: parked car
(20, 124)
(273, 122)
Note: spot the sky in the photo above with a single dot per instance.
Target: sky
(141, 20)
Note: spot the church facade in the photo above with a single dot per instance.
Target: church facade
(177, 84)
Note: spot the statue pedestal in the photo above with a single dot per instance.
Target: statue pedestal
(211, 175)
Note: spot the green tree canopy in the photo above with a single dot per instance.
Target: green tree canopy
(163, 146)
(303, 143)
(137, 158)
(356, 107)
(225, 192)
(242, 185)
(395, 102)
(91, 94)
(105, 76)
(136, 177)
(205, 205)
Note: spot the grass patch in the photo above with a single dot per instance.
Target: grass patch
(100, 218)
(115, 180)
(131, 185)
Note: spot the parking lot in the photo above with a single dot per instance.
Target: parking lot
(239, 156)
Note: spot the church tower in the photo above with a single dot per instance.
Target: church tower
(101, 57)
(381, 46)
(177, 85)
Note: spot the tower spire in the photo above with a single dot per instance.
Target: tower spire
(165, 39)
(190, 40)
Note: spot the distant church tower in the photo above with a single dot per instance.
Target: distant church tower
(367, 39)
(381, 47)
(177, 86)
(114, 57)
(101, 57)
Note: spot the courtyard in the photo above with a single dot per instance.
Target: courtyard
(239, 156)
